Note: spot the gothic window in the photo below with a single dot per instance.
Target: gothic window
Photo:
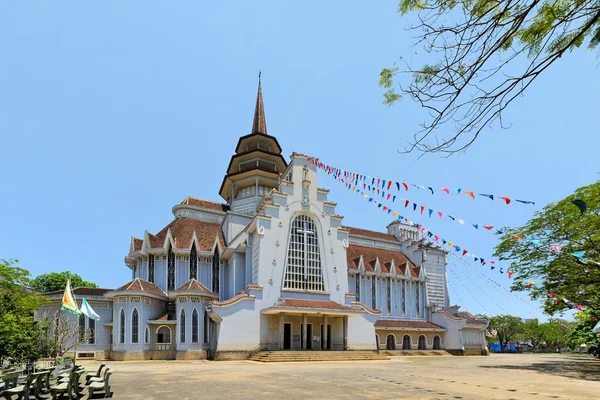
(151, 268)
(389, 296)
(135, 325)
(206, 331)
(146, 335)
(122, 327)
(373, 293)
(215, 272)
(92, 331)
(357, 287)
(418, 289)
(422, 343)
(170, 269)
(403, 298)
(390, 342)
(81, 328)
(303, 270)
(406, 342)
(437, 343)
(193, 262)
(163, 335)
(195, 326)
(182, 327)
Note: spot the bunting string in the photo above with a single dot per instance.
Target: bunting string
(455, 292)
(472, 281)
(470, 292)
(390, 184)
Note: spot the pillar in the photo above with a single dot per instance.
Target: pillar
(304, 321)
(324, 338)
(345, 332)
(281, 331)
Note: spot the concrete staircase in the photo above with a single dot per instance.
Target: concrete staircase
(414, 353)
(308, 356)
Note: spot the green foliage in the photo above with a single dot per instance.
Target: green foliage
(558, 272)
(58, 280)
(582, 332)
(19, 331)
(508, 328)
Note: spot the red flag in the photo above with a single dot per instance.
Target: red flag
(488, 227)
(470, 194)
(405, 186)
(389, 195)
(422, 209)
(552, 294)
(445, 190)
(465, 252)
(389, 185)
(406, 203)
(506, 199)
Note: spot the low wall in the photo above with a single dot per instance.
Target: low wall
(191, 355)
(130, 355)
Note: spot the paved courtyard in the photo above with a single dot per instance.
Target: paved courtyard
(511, 376)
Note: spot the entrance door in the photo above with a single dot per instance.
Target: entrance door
(309, 337)
(322, 336)
(328, 337)
(390, 342)
(287, 336)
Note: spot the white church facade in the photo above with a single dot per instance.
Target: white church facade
(274, 268)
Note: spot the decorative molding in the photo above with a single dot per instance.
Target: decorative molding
(204, 216)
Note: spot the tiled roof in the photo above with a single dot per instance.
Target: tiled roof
(140, 285)
(449, 315)
(371, 234)
(193, 286)
(162, 317)
(362, 305)
(182, 230)
(314, 304)
(471, 319)
(137, 244)
(85, 291)
(387, 323)
(209, 205)
(385, 256)
(232, 300)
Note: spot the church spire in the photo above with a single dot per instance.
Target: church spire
(259, 125)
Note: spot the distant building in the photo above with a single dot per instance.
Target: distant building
(274, 268)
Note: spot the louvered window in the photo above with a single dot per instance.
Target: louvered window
(303, 269)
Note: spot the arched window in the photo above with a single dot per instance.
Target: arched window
(215, 272)
(122, 327)
(147, 335)
(81, 328)
(422, 343)
(193, 262)
(163, 335)
(170, 269)
(418, 289)
(373, 293)
(390, 342)
(182, 326)
(92, 331)
(437, 345)
(406, 342)
(135, 326)
(151, 268)
(195, 326)
(206, 331)
(303, 268)
(357, 276)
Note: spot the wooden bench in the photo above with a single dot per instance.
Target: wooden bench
(95, 375)
(101, 386)
(21, 390)
(70, 388)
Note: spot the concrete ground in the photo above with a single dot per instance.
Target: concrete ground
(510, 376)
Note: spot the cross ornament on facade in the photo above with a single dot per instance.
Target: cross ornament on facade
(306, 232)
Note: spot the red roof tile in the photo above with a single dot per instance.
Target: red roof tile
(194, 286)
(370, 234)
(232, 300)
(385, 256)
(387, 323)
(209, 205)
(471, 319)
(182, 230)
(137, 244)
(140, 285)
(314, 304)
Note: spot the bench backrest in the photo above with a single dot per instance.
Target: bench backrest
(100, 369)
(106, 383)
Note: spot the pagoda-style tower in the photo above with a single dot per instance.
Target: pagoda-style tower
(255, 168)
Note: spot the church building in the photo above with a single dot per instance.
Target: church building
(273, 267)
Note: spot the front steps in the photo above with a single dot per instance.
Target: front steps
(317, 355)
(422, 353)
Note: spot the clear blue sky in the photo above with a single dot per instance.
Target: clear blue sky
(113, 112)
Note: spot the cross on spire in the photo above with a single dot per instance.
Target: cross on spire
(259, 124)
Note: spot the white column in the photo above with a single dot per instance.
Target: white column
(304, 320)
(345, 332)
(281, 331)
(324, 338)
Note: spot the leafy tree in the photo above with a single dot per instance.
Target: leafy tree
(582, 332)
(560, 279)
(485, 54)
(58, 280)
(508, 328)
(19, 331)
(61, 333)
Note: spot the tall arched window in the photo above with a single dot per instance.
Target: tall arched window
(206, 331)
(422, 343)
(390, 342)
(92, 331)
(193, 262)
(303, 269)
(215, 272)
(163, 335)
(195, 326)
(406, 342)
(122, 327)
(81, 328)
(418, 289)
(170, 269)
(182, 326)
(357, 276)
(374, 293)
(151, 268)
(437, 345)
(135, 326)
(147, 335)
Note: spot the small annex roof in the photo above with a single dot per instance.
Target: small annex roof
(370, 255)
(406, 325)
(139, 286)
(164, 318)
(370, 234)
(471, 319)
(182, 231)
(302, 305)
(193, 287)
